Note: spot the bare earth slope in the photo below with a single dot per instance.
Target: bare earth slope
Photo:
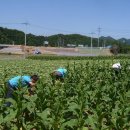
(18, 49)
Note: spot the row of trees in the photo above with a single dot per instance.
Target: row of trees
(11, 36)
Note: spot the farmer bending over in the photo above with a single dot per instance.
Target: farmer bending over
(116, 67)
(58, 74)
(14, 83)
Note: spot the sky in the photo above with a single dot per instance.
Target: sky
(86, 17)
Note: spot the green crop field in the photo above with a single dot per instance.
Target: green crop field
(92, 97)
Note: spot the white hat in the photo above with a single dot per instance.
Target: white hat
(116, 66)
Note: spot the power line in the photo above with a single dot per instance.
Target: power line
(56, 29)
(46, 28)
(106, 30)
(10, 23)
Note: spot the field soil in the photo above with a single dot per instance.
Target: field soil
(19, 49)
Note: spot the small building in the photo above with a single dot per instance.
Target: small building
(71, 45)
(46, 43)
(80, 45)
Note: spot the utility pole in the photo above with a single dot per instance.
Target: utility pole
(99, 30)
(92, 41)
(62, 42)
(25, 38)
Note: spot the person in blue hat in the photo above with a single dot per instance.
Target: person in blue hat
(58, 74)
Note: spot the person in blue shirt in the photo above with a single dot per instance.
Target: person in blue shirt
(19, 82)
(58, 74)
